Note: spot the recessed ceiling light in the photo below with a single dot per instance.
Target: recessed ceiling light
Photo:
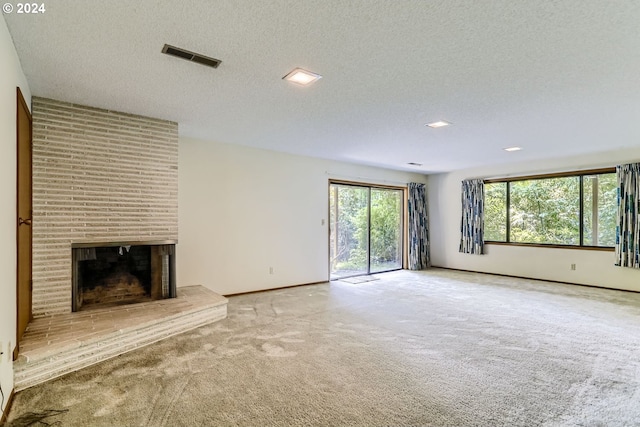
(513, 149)
(438, 124)
(302, 77)
(414, 164)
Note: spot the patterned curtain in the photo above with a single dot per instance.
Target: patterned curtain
(472, 224)
(418, 228)
(628, 220)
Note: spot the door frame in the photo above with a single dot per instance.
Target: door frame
(21, 103)
(404, 222)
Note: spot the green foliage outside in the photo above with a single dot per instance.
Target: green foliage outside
(350, 253)
(495, 212)
(548, 210)
(385, 230)
(345, 203)
(606, 212)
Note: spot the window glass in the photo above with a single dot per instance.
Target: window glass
(547, 210)
(600, 209)
(495, 212)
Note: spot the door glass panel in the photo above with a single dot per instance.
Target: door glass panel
(386, 229)
(349, 237)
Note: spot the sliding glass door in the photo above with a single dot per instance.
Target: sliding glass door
(366, 229)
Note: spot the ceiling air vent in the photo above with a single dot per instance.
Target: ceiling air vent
(191, 56)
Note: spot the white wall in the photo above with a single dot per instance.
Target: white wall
(243, 210)
(592, 267)
(12, 76)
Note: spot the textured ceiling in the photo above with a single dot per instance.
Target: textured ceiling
(557, 78)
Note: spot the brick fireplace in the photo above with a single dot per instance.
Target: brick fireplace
(100, 178)
(105, 230)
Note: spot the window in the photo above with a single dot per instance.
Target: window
(566, 210)
(600, 209)
(495, 212)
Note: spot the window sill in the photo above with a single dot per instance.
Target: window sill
(547, 245)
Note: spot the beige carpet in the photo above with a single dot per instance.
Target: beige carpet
(436, 348)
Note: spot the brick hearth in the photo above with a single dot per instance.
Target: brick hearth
(59, 344)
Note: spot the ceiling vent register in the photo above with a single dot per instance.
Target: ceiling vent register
(191, 56)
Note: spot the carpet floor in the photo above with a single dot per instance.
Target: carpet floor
(433, 348)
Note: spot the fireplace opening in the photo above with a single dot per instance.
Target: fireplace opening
(123, 273)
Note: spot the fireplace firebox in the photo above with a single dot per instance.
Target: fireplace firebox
(115, 273)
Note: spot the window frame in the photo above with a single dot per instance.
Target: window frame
(581, 174)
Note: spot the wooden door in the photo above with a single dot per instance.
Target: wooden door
(24, 215)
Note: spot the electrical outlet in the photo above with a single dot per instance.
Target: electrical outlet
(573, 267)
(270, 270)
